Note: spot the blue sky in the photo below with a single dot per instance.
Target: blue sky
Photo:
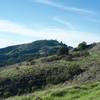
(70, 21)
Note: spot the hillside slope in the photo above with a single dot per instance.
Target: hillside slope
(96, 47)
(77, 67)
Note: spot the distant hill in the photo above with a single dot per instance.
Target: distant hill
(19, 53)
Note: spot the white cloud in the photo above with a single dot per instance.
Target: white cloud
(9, 26)
(4, 43)
(66, 23)
(68, 37)
(66, 8)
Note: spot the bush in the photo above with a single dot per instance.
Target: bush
(68, 58)
(25, 80)
(80, 54)
(32, 62)
(51, 58)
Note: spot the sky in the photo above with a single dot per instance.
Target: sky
(69, 21)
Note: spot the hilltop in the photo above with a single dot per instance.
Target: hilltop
(18, 53)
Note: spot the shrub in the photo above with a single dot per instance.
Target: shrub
(80, 54)
(35, 77)
(51, 58)
(32, 62)
(68, 58)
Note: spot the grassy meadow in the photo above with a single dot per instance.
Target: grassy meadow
(62, 92)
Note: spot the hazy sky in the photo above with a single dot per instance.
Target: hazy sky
(70, 21)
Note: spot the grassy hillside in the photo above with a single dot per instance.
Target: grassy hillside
(77, 67)
(62, 92)
(36, 74)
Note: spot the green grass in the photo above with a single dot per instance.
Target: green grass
(60, 92)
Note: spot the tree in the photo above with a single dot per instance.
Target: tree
(82, 46)
(63, 50)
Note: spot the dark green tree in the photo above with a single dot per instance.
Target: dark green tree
(63, 50)
(82, 46)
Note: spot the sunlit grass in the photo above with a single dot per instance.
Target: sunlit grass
(83, 92)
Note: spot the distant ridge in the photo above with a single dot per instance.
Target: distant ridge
(19, 53)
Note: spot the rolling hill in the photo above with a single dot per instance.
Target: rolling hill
(19, 53)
